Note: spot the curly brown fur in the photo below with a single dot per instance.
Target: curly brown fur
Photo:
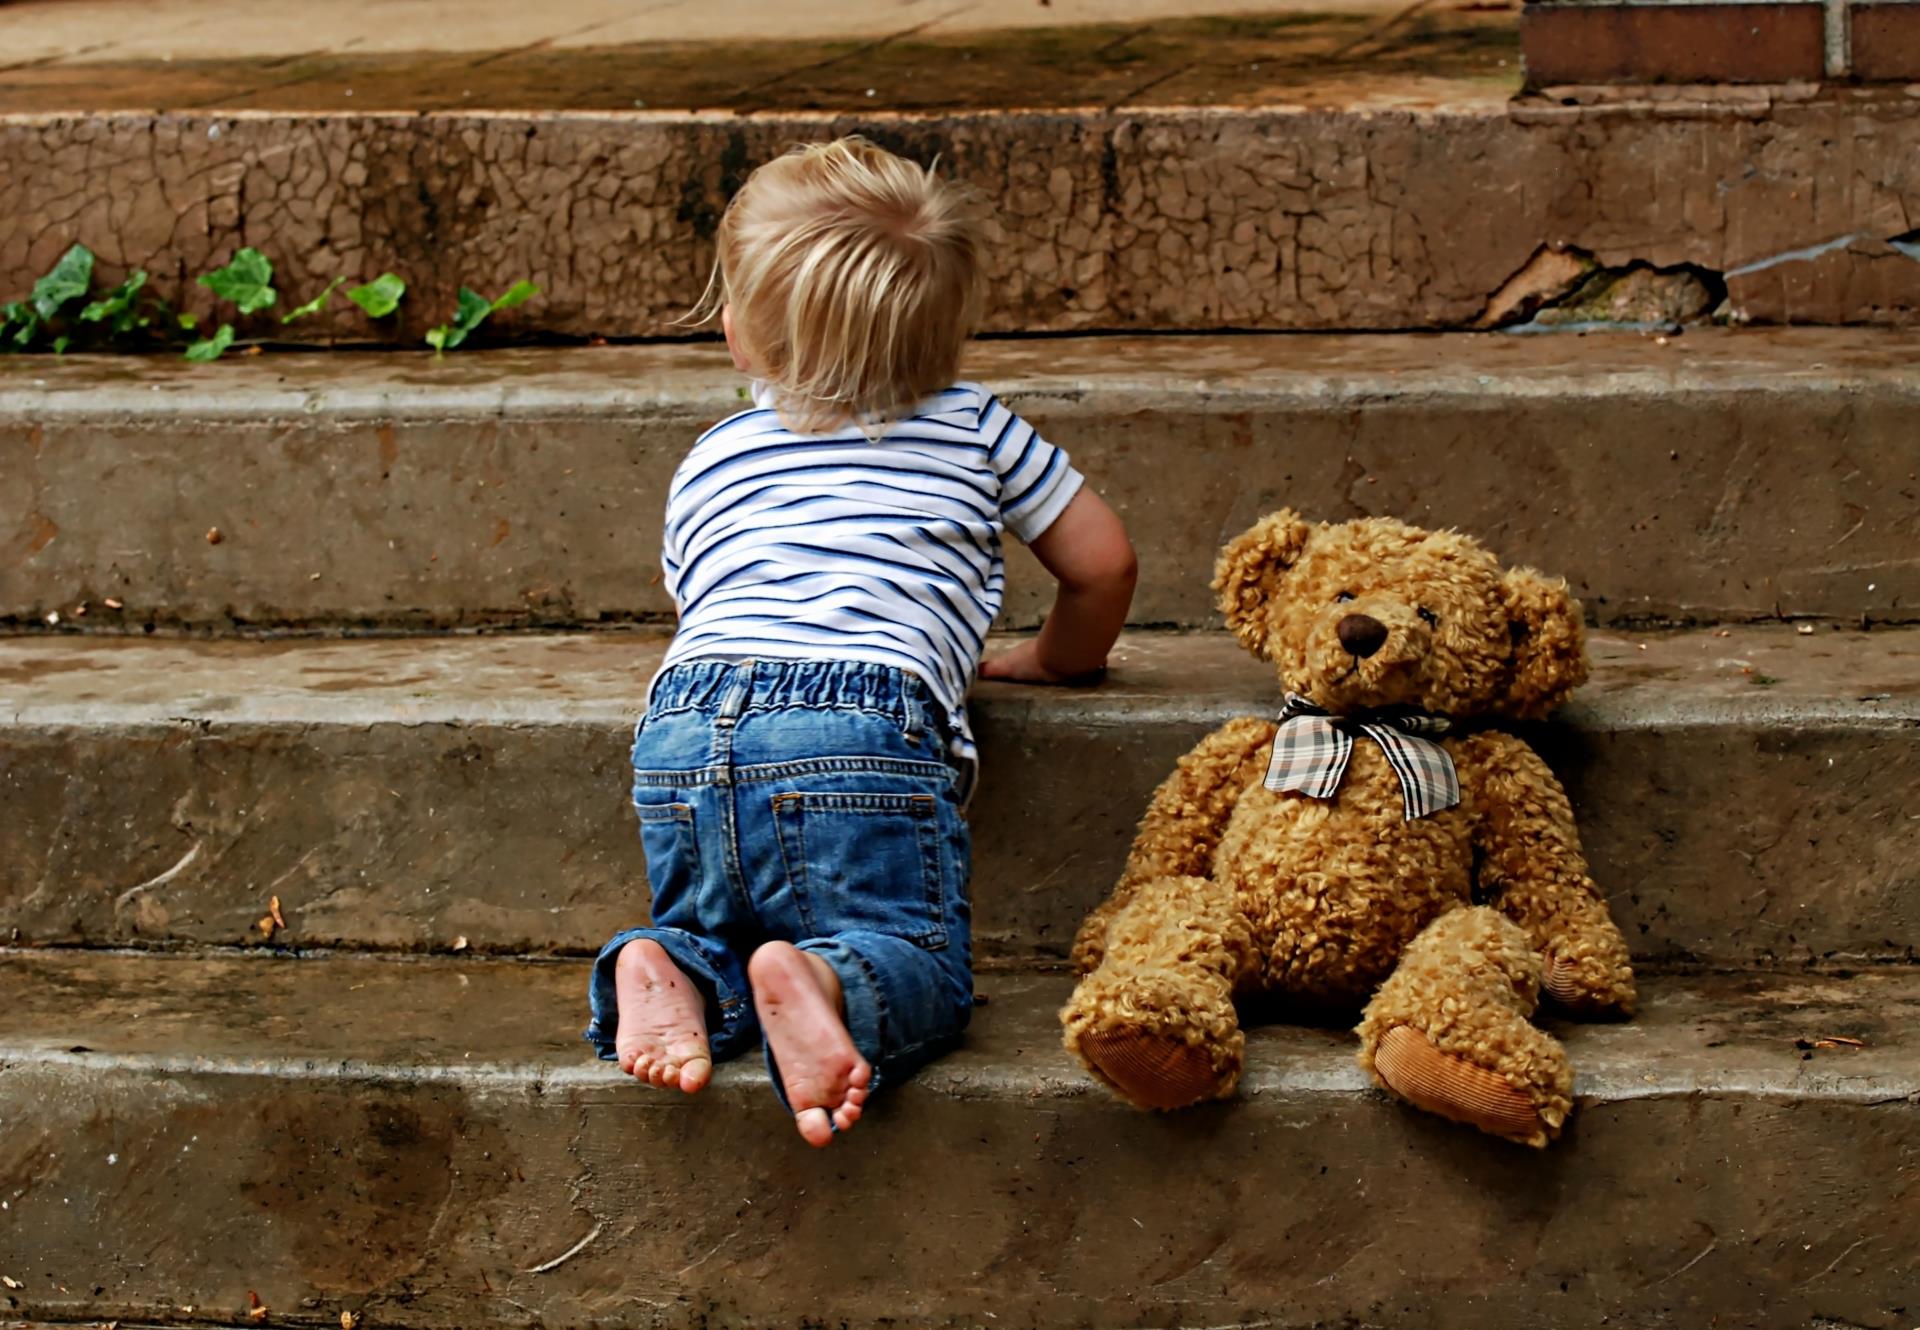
(1175, 953)
(1549, 657)
(1246, 577)
(1233, 890)
(1532, 868)
(1183, 823)
(1469, 984)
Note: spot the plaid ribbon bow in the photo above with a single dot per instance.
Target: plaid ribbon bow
(1312, 750)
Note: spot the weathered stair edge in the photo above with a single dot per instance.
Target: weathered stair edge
(1744, 798)
(1282, 218)
(425, 1143)
(1726, 476)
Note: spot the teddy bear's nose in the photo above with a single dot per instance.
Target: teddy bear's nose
(1360, 634)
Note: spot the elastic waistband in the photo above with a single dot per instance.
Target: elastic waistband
(733, 687)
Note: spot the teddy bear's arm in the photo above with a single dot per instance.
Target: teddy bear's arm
(1533, 871)
(1183, 823)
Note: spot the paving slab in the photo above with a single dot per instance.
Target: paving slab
(746, 56)
(93, 32)
(1396, 204)
(1746, 795)
(1720, 475)
(427, 1144)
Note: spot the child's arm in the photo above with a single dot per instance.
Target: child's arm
(1087, 551)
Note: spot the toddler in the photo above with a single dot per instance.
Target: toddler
(835, 553)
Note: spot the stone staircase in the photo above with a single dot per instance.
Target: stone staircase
(383, 1107)
(320, 669)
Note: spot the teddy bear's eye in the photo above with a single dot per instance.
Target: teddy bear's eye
(1433, 620)
(1343, 598)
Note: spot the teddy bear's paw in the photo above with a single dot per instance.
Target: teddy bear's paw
(1157, 1071)
(1595, 988)
(1446, 1084)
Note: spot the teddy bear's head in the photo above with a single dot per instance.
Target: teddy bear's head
(1375, 613)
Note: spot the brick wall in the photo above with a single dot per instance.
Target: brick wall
(1720, 41)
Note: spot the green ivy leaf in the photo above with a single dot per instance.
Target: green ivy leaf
(517, 294)
(469, 314)
(187, 322)
(317, 304)
(472, 311)
(210, 349)
(61, 343)
(247, 281)
(18, 322)
(68, 281)
(117, 303)
(380, 297)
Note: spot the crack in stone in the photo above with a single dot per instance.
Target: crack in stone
(1798, 255)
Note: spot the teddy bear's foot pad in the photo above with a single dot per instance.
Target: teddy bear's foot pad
(1455, 1088)
(1153, 1071)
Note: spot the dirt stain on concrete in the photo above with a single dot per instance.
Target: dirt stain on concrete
(362, 1180)
(38, 532)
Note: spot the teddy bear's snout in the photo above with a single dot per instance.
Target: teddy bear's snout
(1361, 634)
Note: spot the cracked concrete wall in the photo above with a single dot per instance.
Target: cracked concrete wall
(1170, 219)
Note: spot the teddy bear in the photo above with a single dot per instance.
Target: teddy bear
(1382, 845)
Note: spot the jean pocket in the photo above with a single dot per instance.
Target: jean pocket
(865, 863)
(672, 850)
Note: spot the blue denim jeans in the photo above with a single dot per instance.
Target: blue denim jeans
(808, 802)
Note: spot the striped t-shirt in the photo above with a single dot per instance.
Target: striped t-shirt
(841, 547)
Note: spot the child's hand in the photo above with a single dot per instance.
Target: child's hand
(1087, 551)
(1022, 665)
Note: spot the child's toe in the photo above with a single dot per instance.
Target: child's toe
(816, 1128)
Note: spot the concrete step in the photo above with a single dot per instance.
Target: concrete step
(1745, 794)
(1203, 200)
(1723, 475)
(427, 1143)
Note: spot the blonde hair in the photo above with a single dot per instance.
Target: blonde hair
(853, 280)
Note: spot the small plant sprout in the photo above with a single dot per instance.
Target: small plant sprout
(473, 310)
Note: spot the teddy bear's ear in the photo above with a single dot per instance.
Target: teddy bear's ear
(1549, 643)
(1247, 575)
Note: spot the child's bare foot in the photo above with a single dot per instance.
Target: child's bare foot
(662, 1036)
(798, 997)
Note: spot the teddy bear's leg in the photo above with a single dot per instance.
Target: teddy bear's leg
(1155, 1020)
(1450, 1031)
(1183, 823)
